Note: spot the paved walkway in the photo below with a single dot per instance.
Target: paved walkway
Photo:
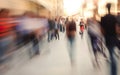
(54, 60)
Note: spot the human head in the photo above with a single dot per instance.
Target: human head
(108, 6)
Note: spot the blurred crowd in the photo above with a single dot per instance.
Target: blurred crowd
(56, 25)
(105, 33)
(18, 30)
(104, 36)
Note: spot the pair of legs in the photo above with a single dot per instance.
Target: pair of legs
(50, 35)
(96, 48)
(82, 30)
(111, 43)
(35, 42)
(56, 34)
(71, 41)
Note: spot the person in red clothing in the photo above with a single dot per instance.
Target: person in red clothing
(108, 24)
(6, 23)
(81, 27)
(6, 32)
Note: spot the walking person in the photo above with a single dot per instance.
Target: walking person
(71, 33)
(108, 23)
(60, 24)
(29, 30)
(95, 35)
(81, 27)
(50, 29)
(56, 29)
(7, 34)
(66, 21)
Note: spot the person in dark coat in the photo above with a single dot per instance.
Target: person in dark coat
(51, 29)
(108, 23)
(71, 33)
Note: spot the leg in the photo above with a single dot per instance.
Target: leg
(58, 34)
(49, 35)
(35, 44)
(113, 62)
(81, 34)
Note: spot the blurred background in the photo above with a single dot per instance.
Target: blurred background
(35, 38)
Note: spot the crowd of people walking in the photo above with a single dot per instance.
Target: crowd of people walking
(103, 33)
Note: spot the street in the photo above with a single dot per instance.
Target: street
(54, 59)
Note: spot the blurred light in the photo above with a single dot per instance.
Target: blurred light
(72, 6)
(88, 14)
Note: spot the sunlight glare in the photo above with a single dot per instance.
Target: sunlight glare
(72, 6)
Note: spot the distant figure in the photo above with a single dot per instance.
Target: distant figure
(82, 24)
(71, 33)
(66, 21)
(56, 29)
(51, 29)
(108, 24)
(60, 24)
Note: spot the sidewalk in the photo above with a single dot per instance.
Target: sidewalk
(54, 60)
